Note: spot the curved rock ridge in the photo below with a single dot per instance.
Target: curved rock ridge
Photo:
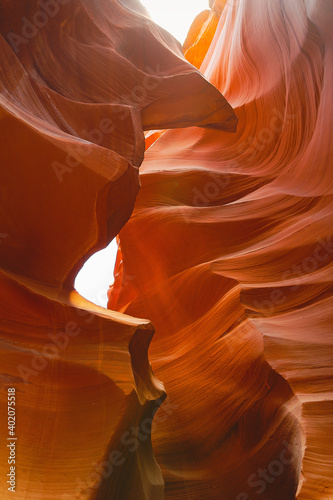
(84, 399)
(79, 87)
(79, 83)
(229, 253)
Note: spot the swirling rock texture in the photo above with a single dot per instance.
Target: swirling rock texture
(79, 82)
(229, 253)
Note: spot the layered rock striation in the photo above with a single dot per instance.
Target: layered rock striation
(229, 253)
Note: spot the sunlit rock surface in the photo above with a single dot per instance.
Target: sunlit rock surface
(229, 253)
(79, 83)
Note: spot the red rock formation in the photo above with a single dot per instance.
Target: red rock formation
(80, 81)
(229, 253)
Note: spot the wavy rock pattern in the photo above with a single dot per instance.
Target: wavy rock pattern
(229, 253)
(79, 82)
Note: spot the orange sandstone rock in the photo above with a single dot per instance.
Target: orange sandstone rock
(79, 83)
(229, 253)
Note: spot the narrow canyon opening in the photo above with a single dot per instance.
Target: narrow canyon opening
(94, 278)
(96, 275)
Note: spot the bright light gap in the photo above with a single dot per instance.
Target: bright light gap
(176, 16)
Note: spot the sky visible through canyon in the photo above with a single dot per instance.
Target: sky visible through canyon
(97, 274)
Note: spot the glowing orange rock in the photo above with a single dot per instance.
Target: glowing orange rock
(200, 37)
(229, 253)
(76, 92)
